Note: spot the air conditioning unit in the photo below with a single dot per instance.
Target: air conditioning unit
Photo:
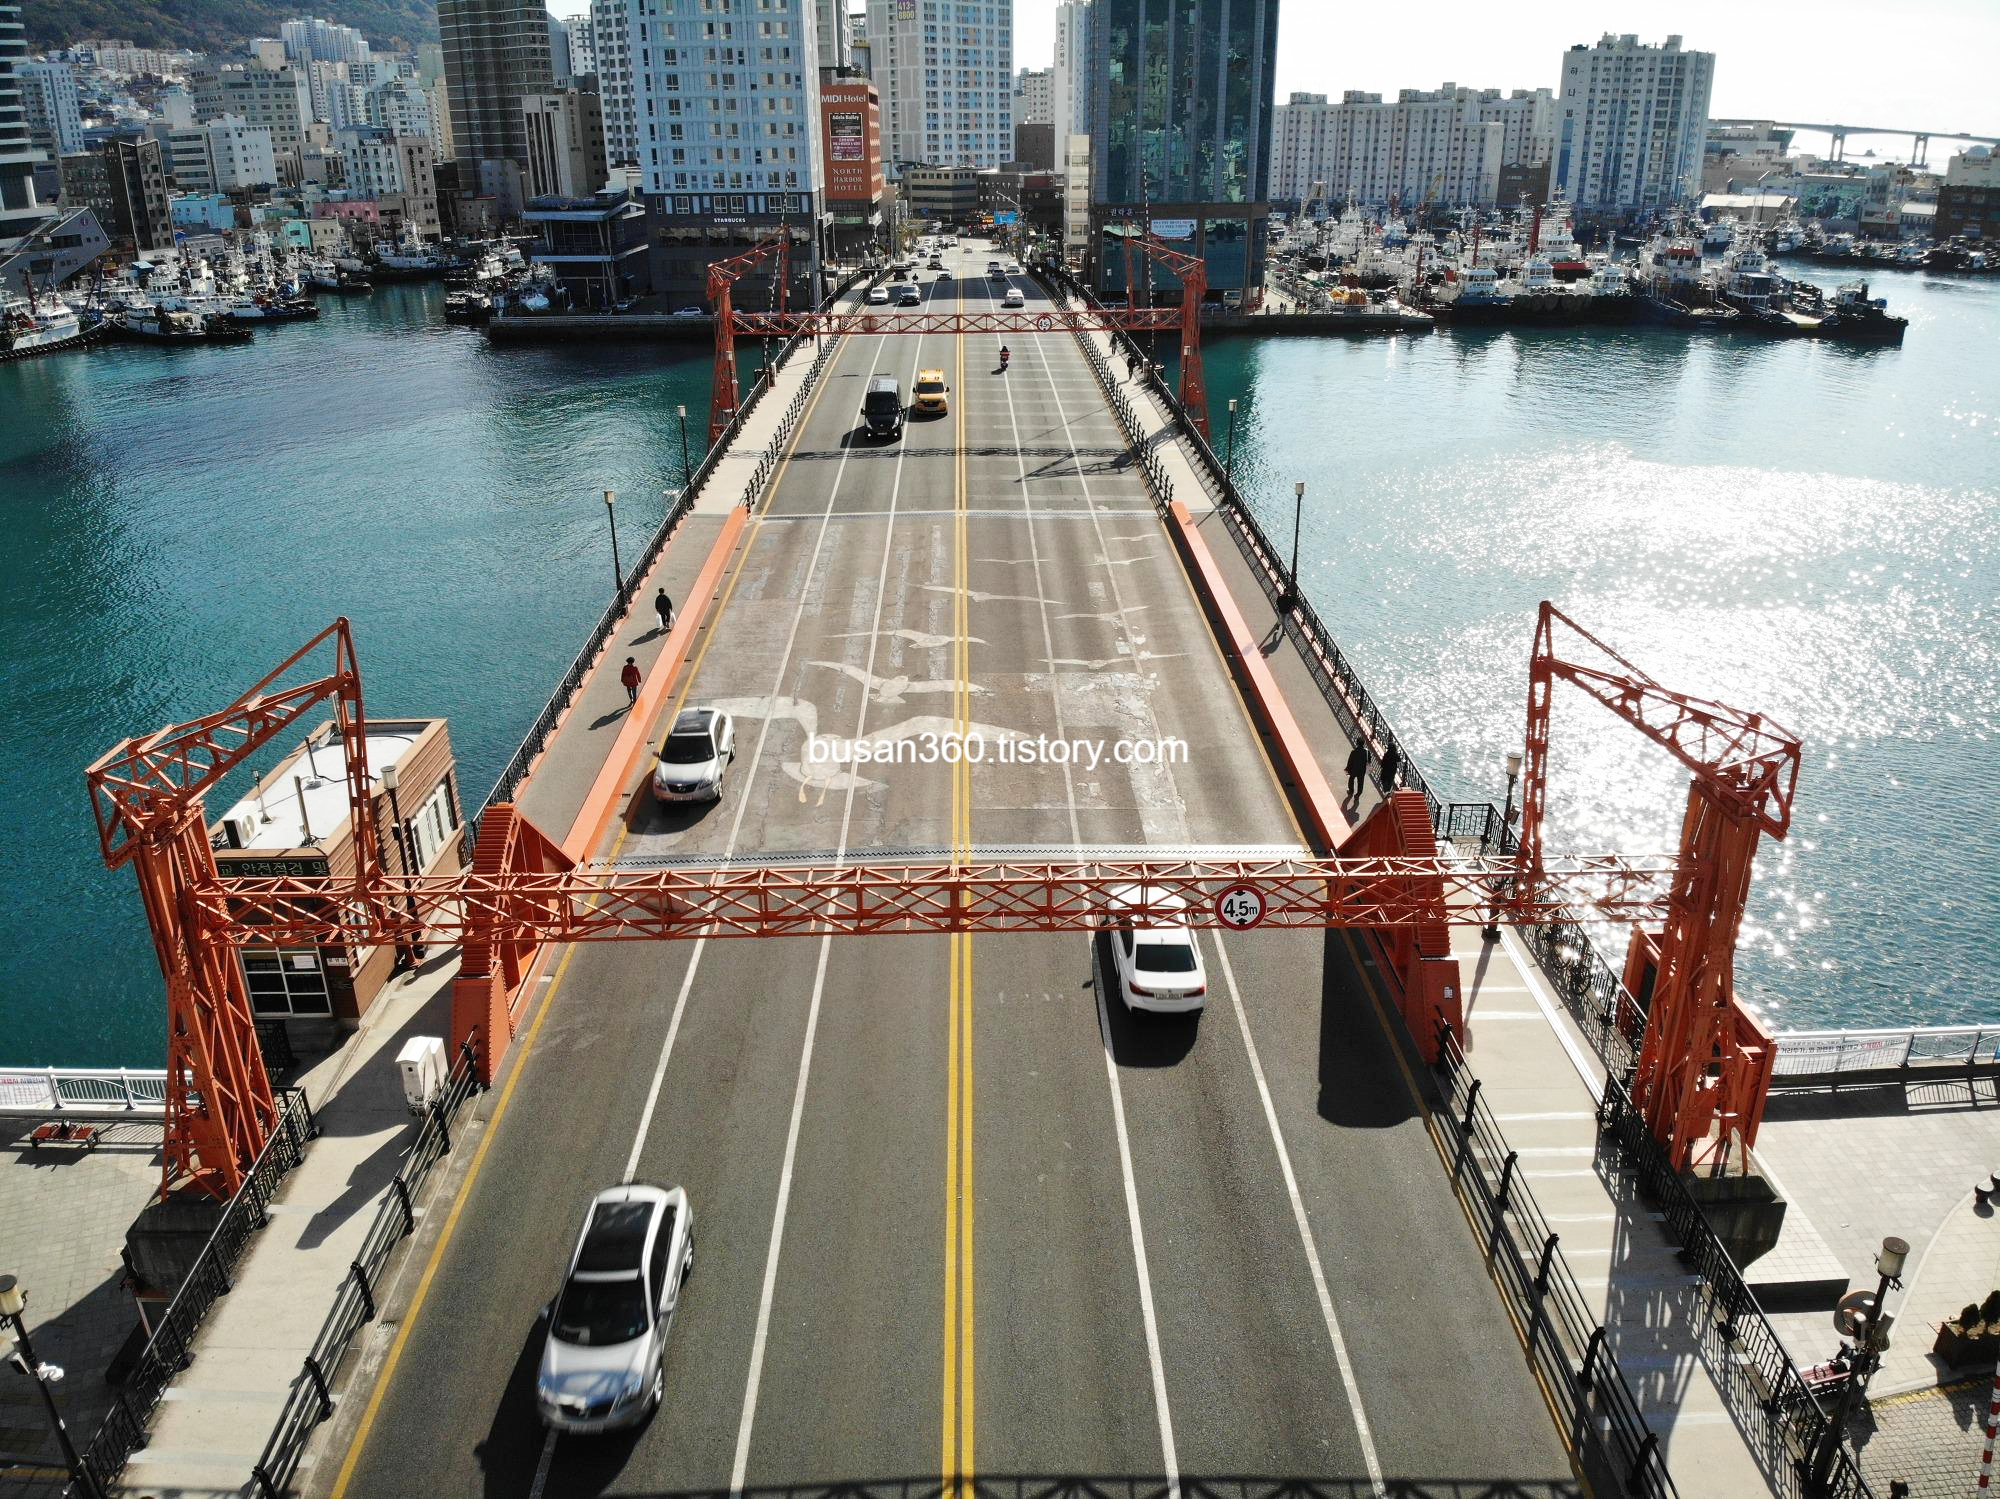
(240, 831)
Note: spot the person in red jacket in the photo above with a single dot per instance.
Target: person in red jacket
(630, 677)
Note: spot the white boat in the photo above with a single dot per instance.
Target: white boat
(1717, 236)
(38, 325)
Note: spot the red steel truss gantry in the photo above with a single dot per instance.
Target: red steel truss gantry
(147, 795)
(1705, 1062)
(732, 323)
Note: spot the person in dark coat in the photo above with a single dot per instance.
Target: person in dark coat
(631, 678)
(1392, 761)
(1357, 767)
(664, 607)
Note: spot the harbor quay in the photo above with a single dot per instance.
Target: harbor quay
(1364, 1220)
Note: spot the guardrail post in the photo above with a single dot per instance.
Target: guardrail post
(403, 1197)
(361, 1284)
(318, 1377)
(1465, 1130)
(1501, 1201)
(1635, 1480)
(1541, 1291)
(1590, 1351)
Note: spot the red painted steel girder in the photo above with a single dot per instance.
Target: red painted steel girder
(1039, 320)
(597, 905)
(722, 275)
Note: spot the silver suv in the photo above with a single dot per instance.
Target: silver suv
(604, 1366)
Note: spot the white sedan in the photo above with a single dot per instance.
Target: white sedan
(1158, 967)
(695, 757)
(878, 296)
(1013, 298)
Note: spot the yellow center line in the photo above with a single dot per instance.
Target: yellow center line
(957, 1440)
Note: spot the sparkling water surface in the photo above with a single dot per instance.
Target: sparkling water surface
(1808, 531)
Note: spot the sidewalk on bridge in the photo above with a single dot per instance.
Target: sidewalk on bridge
(1542, 1081)
(215, 1418)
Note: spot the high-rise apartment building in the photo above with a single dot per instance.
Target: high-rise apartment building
(278, 99)
(1181, 133)
(728, 111)
(561, 68)
(1069, 78)
(945, 69)
(565, 144)
(1446, 146)
(835, 33)
(20, 210)
(1630, 125)
(1034, 96)
(495, 53)
(582, 46)
(314, 40)
(55, 107)
(612, 31)
(124, 182)
(240, 155)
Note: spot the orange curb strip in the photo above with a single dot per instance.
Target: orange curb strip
(637, 734)
(1267, 700)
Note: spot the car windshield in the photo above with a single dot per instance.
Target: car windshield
(593, 1313)
(1164, 957)
(930, 387)
(687, 749)
(882, 400)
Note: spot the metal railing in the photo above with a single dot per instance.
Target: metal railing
(507, 786)
(311, 1399)
(96, 1092)
(1778, 1413)
(1602, 1422)
(171, 1347)
(1913, 1048)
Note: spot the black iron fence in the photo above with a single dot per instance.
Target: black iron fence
(171, 1347)
(543, 728)
(311, 1399)
(1603, 1424)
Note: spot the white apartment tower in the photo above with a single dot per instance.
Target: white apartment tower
(582, 45)
(1631, 122)
(1034, 97)
(1069, 79)
(609, 28)
(945, 70)
(54, 105)
(1445, 146)
(314, 40)
(835, 32)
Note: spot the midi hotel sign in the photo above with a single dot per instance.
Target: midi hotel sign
(851, 140)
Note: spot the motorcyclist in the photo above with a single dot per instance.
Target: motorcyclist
(1004, 356)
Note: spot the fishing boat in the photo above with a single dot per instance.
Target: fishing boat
(41, 325)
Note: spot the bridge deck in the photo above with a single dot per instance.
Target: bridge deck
(952, 1212)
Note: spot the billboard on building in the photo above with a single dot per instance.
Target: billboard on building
(847, 136)
(1173, 228)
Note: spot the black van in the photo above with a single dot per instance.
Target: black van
(882, 407)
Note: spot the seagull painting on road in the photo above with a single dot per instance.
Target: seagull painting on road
(893, 689)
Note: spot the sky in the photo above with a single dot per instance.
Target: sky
(1914, 63)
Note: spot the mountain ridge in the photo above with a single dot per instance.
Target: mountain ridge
(221, 25)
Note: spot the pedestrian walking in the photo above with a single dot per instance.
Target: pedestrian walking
(1357, 767)
(664, 607)
(1131, 366)
(1392, 761)
(630, 677)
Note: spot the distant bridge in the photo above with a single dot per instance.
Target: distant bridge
(1920, 139)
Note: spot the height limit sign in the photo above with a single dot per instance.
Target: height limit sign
(1240, 907)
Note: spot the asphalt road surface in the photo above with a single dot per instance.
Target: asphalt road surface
(953, 1213)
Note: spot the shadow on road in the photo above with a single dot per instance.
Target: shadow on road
(1139, 1039)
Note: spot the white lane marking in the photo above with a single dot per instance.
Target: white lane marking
(1169, 1458)
(1148, 1315)
(1348, 1382)
(666, 1051)
(746, 1424)
(542, 1467)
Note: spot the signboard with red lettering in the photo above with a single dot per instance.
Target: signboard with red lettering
(847, 136)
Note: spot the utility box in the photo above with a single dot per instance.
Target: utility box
(421, 1062)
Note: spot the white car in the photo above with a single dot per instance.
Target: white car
(1013, 298)
(690, 312)
(695, 757)
(878, 296)
(1158, 967)
(1013, 268)
(604, 1366)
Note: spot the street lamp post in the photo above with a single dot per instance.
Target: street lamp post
(13, 1309)
(1229, 460)
(1870, 1344)
(687, 471)
(617, 567)
(1291, 592)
